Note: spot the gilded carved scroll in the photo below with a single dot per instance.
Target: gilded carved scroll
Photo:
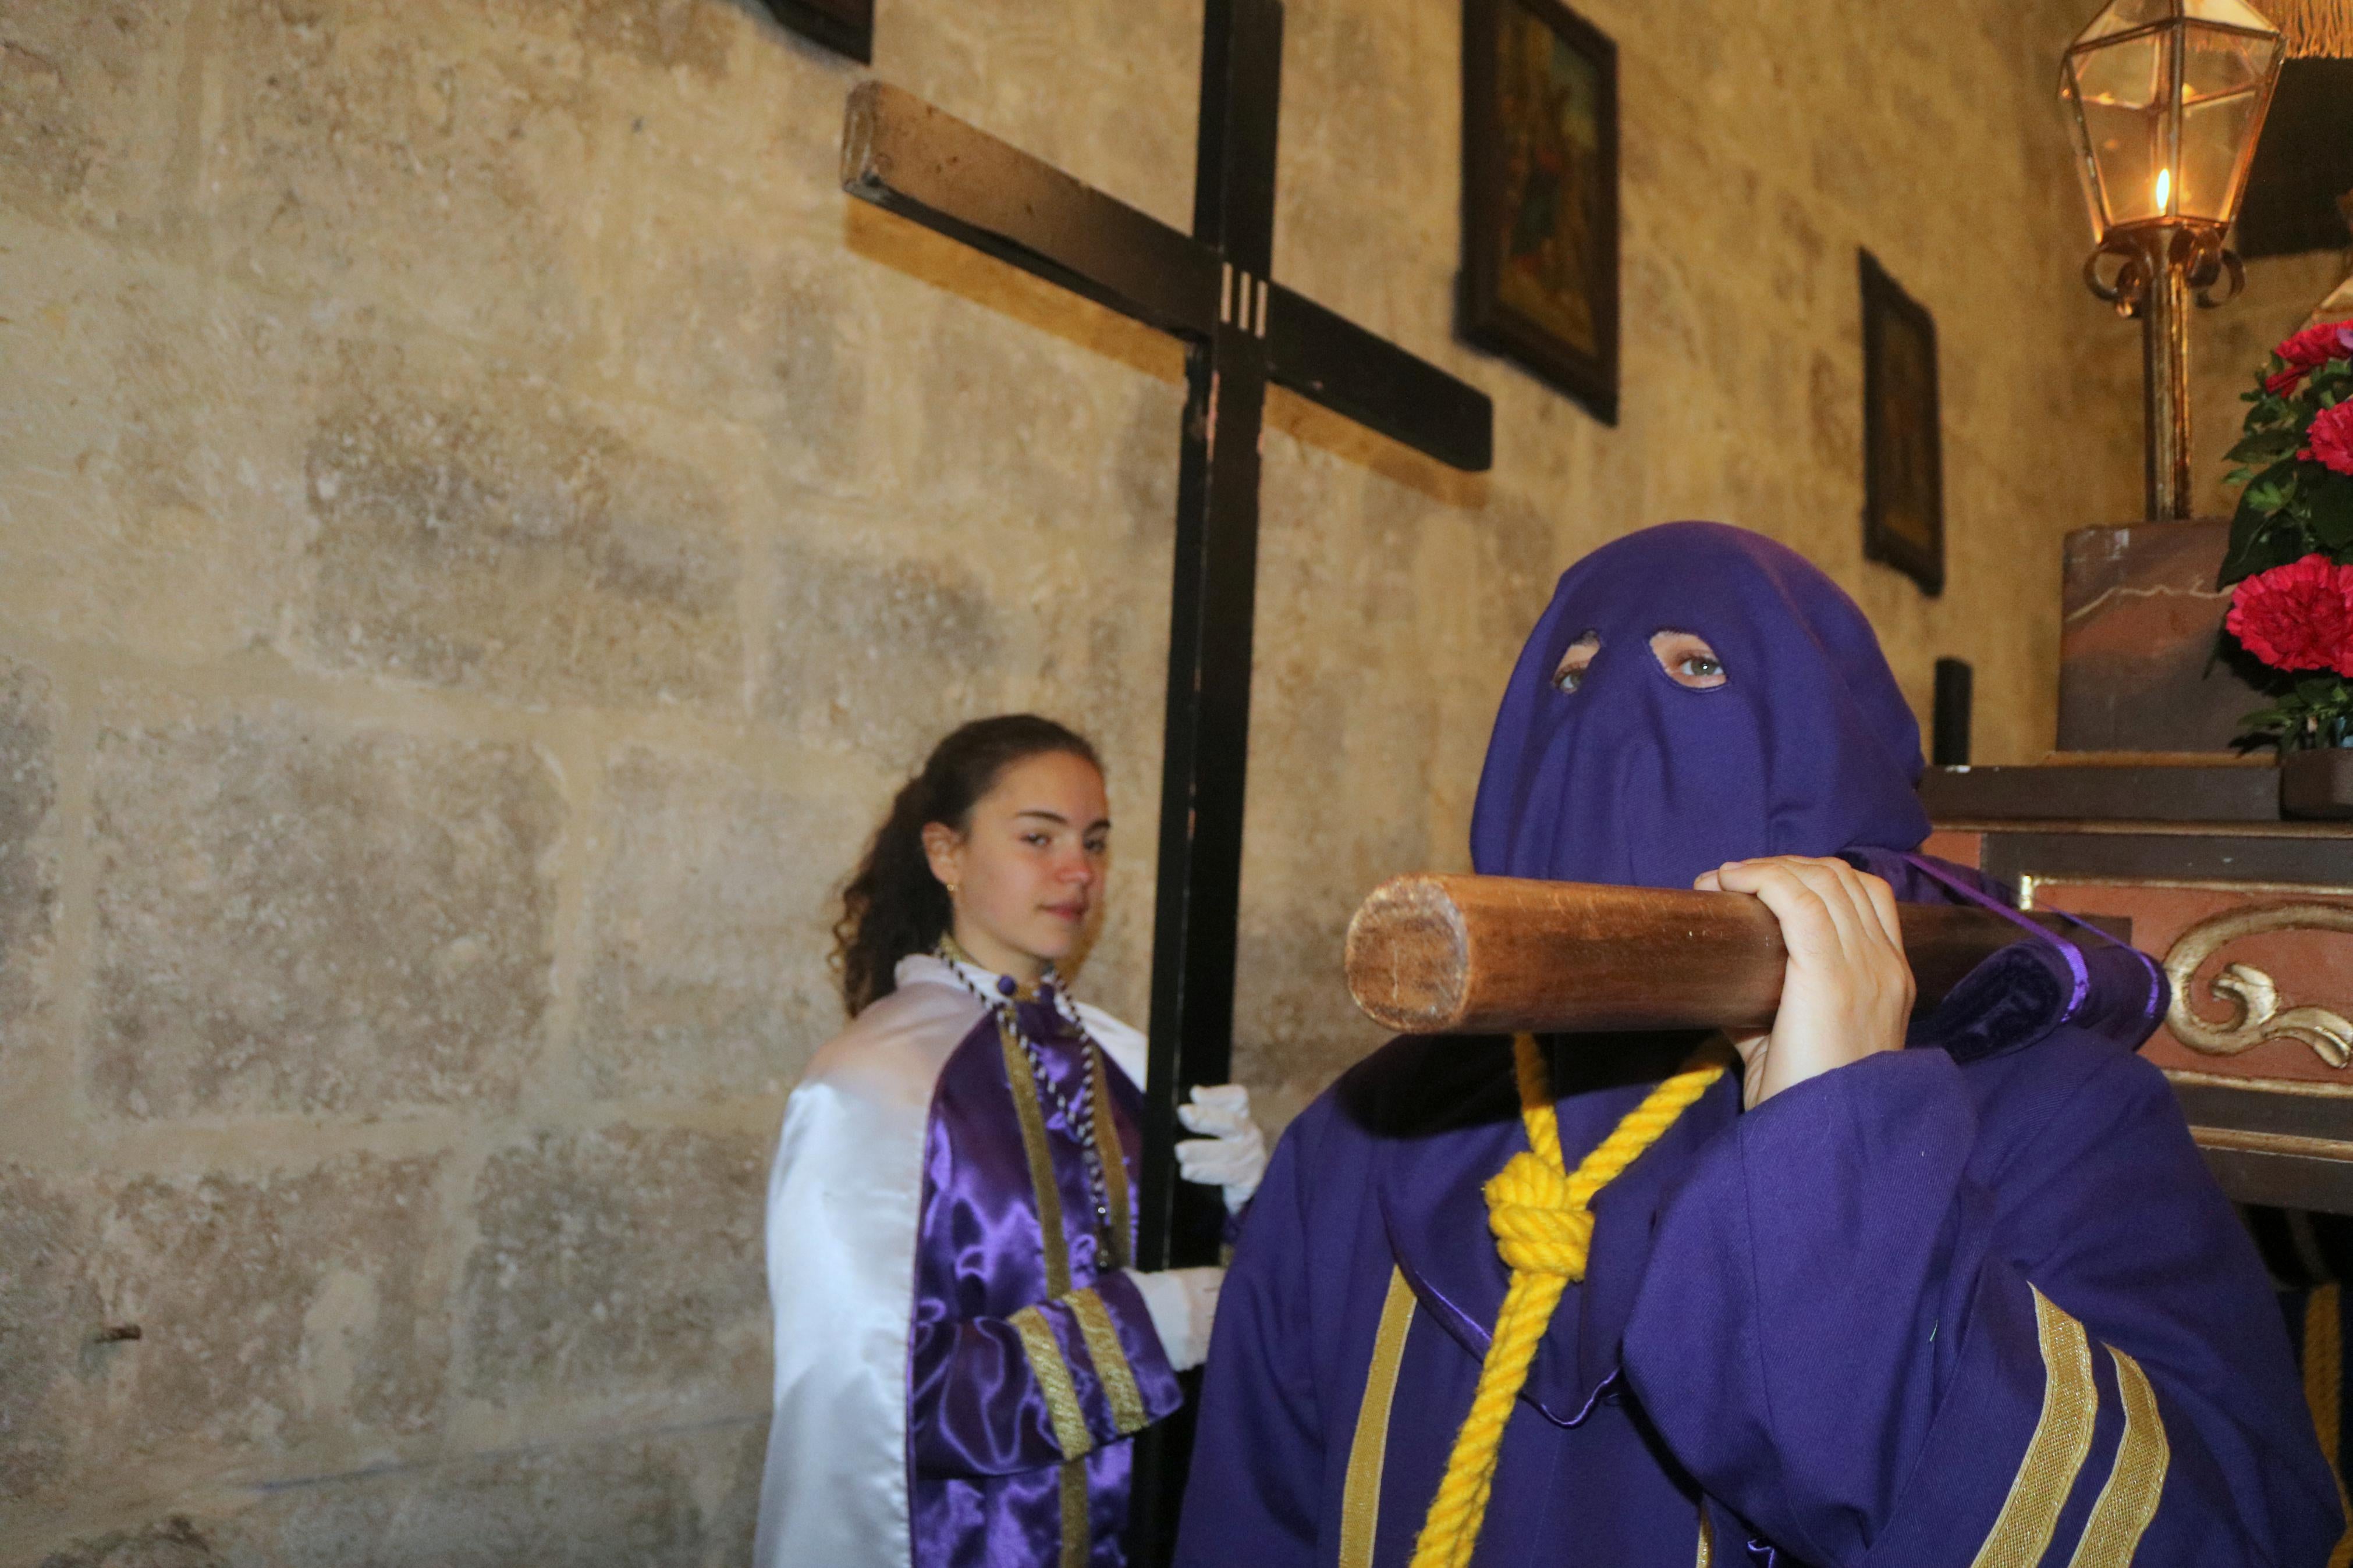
(2255, 1013)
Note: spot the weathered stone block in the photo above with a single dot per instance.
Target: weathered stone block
(150, 500)
(888, 654)
(734, 315)
(1016, 423)
(27, 857)
(508, 540)
(88, 96)
(405, 154)
(290, 919)
(273, 1309)
(621, 1258)
(46, 1306)
(622, 1503)
(176, 1543)
(711, 914)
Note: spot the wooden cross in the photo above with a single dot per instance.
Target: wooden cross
(1242, 331)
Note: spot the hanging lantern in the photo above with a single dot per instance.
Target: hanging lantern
(2166, 100)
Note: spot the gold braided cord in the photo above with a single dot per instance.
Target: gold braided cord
(1054, 1380)
(2121, 1514)
(1537, 1210)
(2054, 1454)
(2321, 28)
(1078, 1529)
(1119, 1392)
(2324, 1371)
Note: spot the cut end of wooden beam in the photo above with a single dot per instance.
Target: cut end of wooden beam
(1406, 956)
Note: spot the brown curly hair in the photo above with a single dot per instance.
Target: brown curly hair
(892, 905)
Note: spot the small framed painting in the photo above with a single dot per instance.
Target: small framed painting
(1540, 194)
(845, 26)
(1903, 441)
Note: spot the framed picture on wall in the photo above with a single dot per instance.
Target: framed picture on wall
(845, 26)
(1540, 194)
(1903, 441)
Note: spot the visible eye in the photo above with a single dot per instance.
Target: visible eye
(1039, 840)
(1688, 661)
(1098, 846)
(1569, 674)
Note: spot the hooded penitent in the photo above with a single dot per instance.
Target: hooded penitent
(1935, 1308)
(1809, 747)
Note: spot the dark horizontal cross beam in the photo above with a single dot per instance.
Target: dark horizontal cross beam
(905, 156)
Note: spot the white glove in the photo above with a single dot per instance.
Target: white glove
(1183, 1303)
(1232, 1154)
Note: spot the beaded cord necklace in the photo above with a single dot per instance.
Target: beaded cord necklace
(1077, 1115)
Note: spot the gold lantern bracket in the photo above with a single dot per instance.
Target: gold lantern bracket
(2143, 257)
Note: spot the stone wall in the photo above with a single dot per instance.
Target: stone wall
(485, 523)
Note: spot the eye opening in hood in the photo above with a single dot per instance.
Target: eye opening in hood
(1575, 660)
(1678, 652)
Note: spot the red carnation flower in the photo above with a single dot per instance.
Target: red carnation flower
(2297, 616)
(2330, 438)
(2307, 351)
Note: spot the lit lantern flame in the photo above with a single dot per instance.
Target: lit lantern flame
(2164, 191)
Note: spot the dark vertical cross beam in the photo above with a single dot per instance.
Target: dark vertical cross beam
(1205, 750)
(1242, 332)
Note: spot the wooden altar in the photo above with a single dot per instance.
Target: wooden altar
(2248, 910)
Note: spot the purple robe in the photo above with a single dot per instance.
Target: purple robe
(930, 1377)
(983, 1456)
(1819, 1319)
(1973, 1302)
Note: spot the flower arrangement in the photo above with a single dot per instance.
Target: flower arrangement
(2290, 554)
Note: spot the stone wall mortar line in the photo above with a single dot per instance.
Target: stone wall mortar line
(47, 1126)
(551, 1082)
(123, 682)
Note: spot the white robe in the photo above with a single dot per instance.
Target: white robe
(845, 1202)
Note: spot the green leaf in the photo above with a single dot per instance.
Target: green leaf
(2264, 447)
(2314, 691)
(2273, 489)
(2331, 512)
(2259, 543)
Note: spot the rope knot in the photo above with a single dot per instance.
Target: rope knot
(1540, 1221)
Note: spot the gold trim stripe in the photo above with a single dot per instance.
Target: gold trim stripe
(2062, 1437)
(2128, 1501)
(1053, 1374)
(2324, 1369)
(1360, 1498)
(1043, 1187)
(1126, 1400)
(1078, 1529)
(1707, 1558)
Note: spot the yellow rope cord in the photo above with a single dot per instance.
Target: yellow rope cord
(1537, 1211)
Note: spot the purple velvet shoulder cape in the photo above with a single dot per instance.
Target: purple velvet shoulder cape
(931, 1383)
